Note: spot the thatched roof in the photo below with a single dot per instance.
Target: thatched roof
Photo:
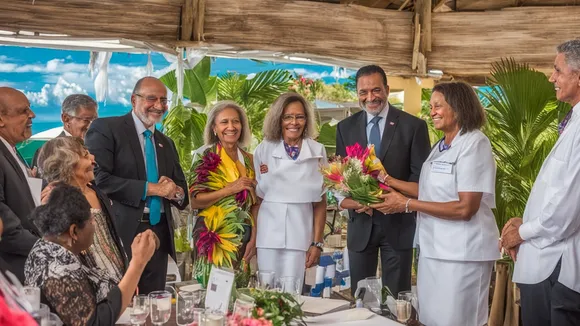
(407, 37)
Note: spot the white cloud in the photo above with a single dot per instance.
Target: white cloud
(39, 98)
(337, 73)
(54, 93)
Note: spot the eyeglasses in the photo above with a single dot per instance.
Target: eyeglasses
(85, 120)
(290, 117)
(153, 99)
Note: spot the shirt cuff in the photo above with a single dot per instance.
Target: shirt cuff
(528, 230)
(145, 191)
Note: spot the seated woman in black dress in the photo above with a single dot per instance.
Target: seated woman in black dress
(79, 294)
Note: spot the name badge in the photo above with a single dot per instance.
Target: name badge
(441, 167)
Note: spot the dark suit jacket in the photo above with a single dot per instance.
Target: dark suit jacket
(404, 147)
(16, 204)
(121, 173)
(35, 157)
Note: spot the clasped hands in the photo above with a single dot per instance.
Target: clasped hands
(169, 190)
(510, 239)
(393, 202)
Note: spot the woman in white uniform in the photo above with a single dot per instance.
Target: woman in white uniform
(456, 230)
(292, 212)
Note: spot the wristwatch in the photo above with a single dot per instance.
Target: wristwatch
(318, 245)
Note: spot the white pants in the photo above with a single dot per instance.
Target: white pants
(453, 293)
(284, 262)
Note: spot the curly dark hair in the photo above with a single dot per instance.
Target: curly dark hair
(66, 206)
(464, 102)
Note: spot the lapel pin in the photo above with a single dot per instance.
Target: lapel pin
(160, 145)
(391, 123)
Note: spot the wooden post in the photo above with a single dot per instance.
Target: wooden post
(187, 20)
(496, 313)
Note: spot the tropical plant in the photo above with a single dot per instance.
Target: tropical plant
(254, 94)
(198, 86)
(522, 113)
(306, 87)
(327, 137)
(336, 93)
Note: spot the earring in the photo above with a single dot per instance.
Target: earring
(214, 133)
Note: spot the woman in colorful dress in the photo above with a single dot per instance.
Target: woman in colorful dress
(223, 192)
(292, 212)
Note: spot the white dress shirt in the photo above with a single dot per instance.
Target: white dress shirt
(552, 216)
(467, 166)
(285, 219)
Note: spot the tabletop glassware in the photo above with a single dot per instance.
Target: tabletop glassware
(411, 297)
(404, 304)
(41, 314)
(51, 320)
(214, 318)
(375, 286)
(160, 304)
(184, 307)
(140, 309)
(243, 307)
(266, 279)
(32, 295)
(289, 284)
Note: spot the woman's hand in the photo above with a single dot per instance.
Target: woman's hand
(46, 192)
(243, 183)
(312, 256)
(393, 202)
(143, 247)
(250, 250)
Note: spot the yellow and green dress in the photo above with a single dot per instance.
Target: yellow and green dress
(222, 229)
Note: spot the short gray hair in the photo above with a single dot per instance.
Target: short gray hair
(273, 121)
(209, 138)
(58, 158)
(571, 51)
(74, 102)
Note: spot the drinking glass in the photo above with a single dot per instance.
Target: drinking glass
(198, 316)
(214, 318)
(41, 315)
(266, 279)
(289, 284)
(199, 300)
(375, 285)
(243, 307)
(403, 310)
(140, 309)
(185, 305)
(52, 320)
(160, 303)
(409, 296)
(32, 295)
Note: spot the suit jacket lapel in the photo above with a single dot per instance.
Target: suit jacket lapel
(361, 130)
(131, 133)
(6, 152)
(160, 148)
(390, 126)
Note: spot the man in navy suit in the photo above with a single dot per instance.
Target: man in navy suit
(124, 172)
(402, 144)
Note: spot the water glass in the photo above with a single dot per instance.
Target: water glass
(140, 309)
(41, 315)
(266, 279)
(198, 317)
(214, 318)
(289, 284)
(243, 307)
(32, 295)
(199, 300)
(185, 304)
(409, 296)
(375, 285)
(160, 303)
(403, 310)
(52, 320)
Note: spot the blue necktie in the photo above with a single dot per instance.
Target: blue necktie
(152, 176)
(375, 137)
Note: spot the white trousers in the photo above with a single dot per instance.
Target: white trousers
(453, 293)
(284, 262)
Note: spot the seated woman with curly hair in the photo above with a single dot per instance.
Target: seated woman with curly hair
(79, 294)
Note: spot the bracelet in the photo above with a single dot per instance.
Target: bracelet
(407, 206)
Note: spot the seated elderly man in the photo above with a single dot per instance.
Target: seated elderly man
(16, 201)
(80, 294)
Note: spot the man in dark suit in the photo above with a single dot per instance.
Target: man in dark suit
(16, 201)
(78, 111)
(138, 168)
(402, 144)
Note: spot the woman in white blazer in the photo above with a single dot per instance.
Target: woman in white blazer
(292, 210)
(456, 230)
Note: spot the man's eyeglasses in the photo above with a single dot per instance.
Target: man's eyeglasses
(290, 117)
(153, 99)
(85, 120)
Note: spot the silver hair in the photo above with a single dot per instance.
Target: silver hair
(210, 138)
(273, 121)
(571, 51)
(58, 158)
(74, 102)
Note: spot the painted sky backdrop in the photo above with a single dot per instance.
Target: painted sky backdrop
(47, 76)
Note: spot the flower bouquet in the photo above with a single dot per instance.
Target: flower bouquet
(357, 175)
(279, 308)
